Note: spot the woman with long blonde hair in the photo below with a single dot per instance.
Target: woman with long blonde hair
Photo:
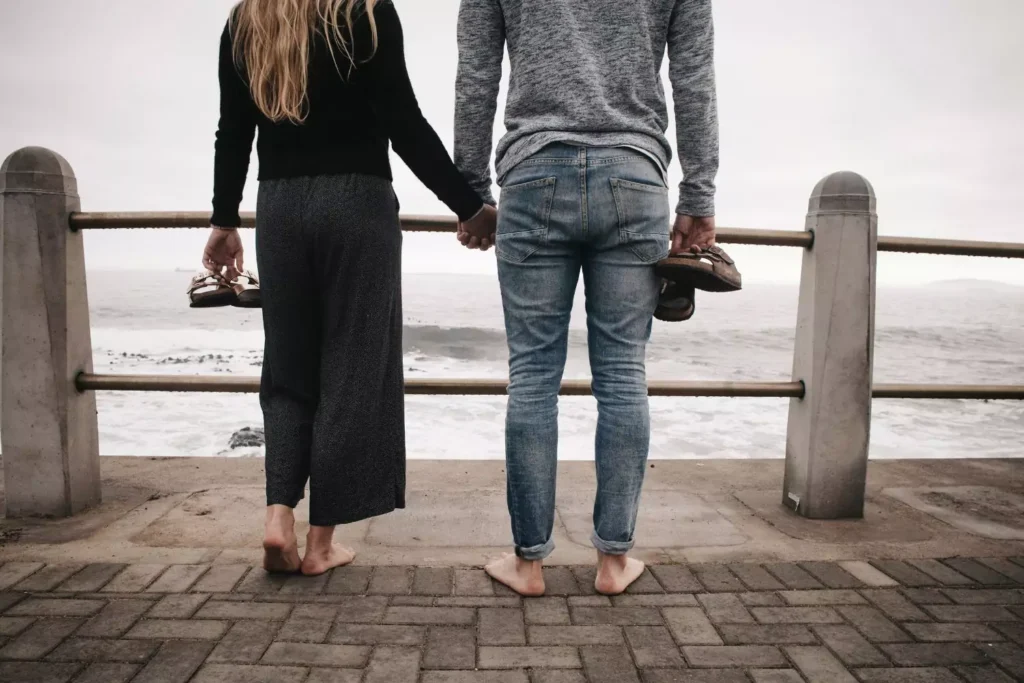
(325, 84)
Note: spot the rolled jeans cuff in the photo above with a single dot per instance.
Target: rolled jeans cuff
(537, 552)
(611, 547)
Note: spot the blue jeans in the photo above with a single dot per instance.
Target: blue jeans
(605, 211)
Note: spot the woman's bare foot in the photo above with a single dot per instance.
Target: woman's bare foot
(320, 561)
(322, 554)
(615, 573)
(523, 576)
(280, 547)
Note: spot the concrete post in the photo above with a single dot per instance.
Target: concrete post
(827, 440)
(50, 438)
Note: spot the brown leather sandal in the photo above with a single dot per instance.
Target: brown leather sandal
(247, 291)
(677, 302)
(711, 270)
(210, 290)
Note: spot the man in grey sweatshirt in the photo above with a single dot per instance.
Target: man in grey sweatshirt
(583, 171)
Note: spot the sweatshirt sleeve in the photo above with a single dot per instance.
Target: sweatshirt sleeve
(691, 49)
(394, 101)
(481, 35)
(235, 133)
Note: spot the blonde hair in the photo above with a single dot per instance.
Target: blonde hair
(272, 42)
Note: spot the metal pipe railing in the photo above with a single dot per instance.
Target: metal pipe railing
(921, 245)
(433, 387)
(991, 392)
(488, 387)
(830, 395)
(440, 224)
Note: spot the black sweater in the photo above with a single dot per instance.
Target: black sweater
(351, 118)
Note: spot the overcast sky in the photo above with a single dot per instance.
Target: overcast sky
(924, 97)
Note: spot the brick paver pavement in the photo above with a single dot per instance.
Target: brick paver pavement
(899, 622)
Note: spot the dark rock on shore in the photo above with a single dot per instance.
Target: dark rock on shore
(247, 437)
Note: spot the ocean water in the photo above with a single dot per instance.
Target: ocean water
(950, 333)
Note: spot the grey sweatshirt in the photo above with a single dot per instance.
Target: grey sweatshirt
(588, 72)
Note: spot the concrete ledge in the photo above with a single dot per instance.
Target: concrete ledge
(210, 510)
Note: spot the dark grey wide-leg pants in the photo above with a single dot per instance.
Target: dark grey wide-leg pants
(329, 252)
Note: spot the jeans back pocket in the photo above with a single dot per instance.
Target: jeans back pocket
(644, 218)
(523, 218)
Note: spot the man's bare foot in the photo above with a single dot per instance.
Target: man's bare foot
(615, 573)
(280, 547)
(523, 576)
(320, 560)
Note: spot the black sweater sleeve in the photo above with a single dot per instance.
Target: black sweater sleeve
(386, 80)
(235, 134)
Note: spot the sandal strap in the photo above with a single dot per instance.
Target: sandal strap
(204, 280)
(714, 254)
(720, 253)
(247, 275)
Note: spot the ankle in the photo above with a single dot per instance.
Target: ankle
(280, 524)
(606, 561)
(529, 566)
(280, 513)
(320, 539)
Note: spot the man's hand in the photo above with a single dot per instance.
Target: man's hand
(223, 253)
(479, 231)
(691, 234)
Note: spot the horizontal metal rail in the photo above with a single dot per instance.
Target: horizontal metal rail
(126, 220)
(117, 221)
(487, 387)
(990, 392)
(767, 238)
(921, 245)
(432, 387)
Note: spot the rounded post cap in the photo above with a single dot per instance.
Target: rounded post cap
(37, 170)
(844, 192)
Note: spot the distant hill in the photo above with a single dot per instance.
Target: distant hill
(975, 285)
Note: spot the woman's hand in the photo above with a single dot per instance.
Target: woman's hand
(478, 231)
(223, 253)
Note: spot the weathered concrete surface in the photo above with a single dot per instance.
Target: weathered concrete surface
(210, 510)
(49, 430)
(930, 621)
(829, 429)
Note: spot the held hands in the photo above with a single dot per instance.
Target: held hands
(223, 253)
(479, 231)
(692, 234)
